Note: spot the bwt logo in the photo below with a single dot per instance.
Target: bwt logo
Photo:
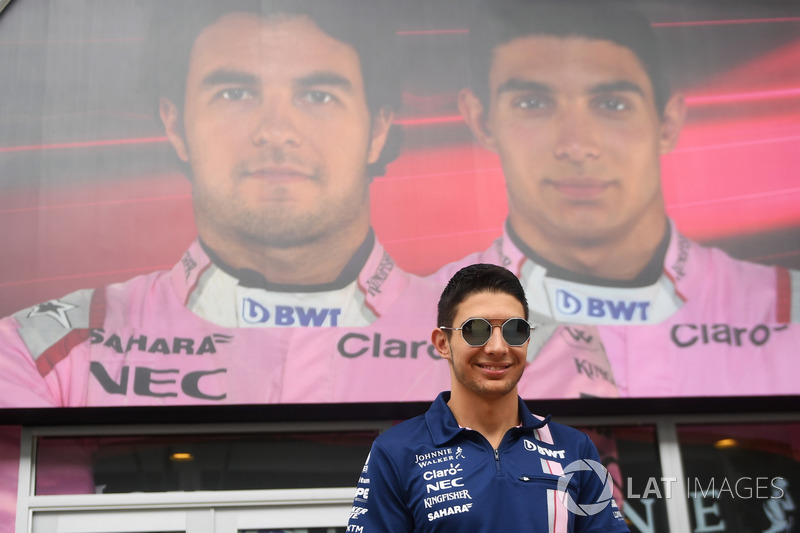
(285, 315)
(620, 310)
(533, 447)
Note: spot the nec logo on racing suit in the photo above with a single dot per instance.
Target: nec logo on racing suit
(618, 310)
(285, 315)
(157, 382)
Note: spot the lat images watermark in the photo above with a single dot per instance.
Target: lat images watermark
(742, 488)
(605, 498)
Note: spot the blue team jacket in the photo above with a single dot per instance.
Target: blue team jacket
(429, 474)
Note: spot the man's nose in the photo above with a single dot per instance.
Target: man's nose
(496, 344)
(577, 137)
(277, 124)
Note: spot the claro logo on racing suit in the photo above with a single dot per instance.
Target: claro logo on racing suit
(688, 335)
(569, 304)
(156, 382)
(254, 312)
(352, 345)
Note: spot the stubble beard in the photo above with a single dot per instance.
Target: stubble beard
(479, 388)
(282, 225)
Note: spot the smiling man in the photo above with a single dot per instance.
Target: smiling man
(572, 97)
(478, 460)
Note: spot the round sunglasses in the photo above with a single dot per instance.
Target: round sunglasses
(477, 331)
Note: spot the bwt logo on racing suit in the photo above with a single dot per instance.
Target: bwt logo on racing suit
(621, 310)
(286, 315)
(546, 452)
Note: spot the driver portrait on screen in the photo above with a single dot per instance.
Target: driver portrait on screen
(280, 114)
(573, 99)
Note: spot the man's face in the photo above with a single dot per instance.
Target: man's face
(277, 132)
(494, 369)
(576, 128)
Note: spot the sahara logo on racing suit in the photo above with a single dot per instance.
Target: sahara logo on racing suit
(143, 343)
(156, 382)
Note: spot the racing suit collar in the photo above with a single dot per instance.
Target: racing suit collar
(648, 276)
(255, 280)
(443, 426)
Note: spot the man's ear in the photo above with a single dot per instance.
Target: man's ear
(381, 123)
(173, 125)
(672, 123)
(440, 342)
(472, 109)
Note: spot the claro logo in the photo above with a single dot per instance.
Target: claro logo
(613, 310)
(688, 335)
(354, 345)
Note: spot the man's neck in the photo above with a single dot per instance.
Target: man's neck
(315, 263)
(491, 417)
(622, 257)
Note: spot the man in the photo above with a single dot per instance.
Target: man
(475, 461)
(280, 113)
(572, 98)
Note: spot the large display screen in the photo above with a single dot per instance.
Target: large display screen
(193, 209)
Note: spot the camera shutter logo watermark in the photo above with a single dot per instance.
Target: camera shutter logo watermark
(586, 509)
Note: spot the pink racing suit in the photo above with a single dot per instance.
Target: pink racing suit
(710, 325)
(197, 335)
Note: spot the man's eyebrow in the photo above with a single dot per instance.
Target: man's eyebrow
(324, 78)
(617, 86)
(228, 77)
(519, 84)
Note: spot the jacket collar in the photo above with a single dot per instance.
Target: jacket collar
(443, 426)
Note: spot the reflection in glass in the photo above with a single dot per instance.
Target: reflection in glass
(742, 477)
(630, 453)
(200, 462)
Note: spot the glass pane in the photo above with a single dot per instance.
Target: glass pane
(630, 453)
(742, 477)
(200, 462)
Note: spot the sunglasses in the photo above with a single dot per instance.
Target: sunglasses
(478, 331)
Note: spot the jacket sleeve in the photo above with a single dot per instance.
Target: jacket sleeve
(21, 383)
(596, 488)
(380, 504)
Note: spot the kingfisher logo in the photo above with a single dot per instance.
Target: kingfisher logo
(568, 304)
(254, 312)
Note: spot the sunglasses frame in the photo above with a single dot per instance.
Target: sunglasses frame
(491, 327)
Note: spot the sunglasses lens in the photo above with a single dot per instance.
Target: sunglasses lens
(516, 332)
(476, 331)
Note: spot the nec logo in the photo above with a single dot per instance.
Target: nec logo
(569, 304)
(285, 315)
